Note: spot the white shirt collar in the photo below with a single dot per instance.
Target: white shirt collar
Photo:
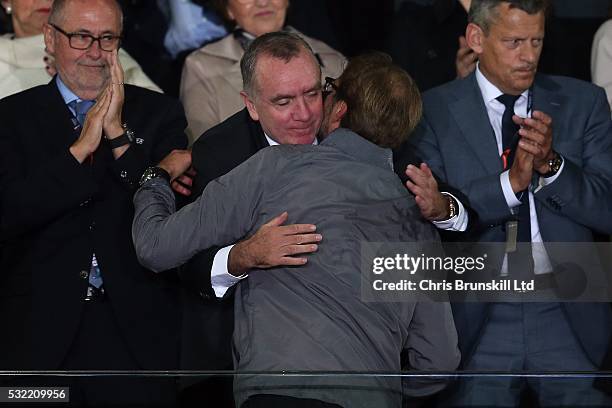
(490, 92)
(66, 93)
(273, 142)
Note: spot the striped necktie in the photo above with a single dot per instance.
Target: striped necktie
(81, 108)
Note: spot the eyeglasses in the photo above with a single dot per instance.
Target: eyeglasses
(329, 86)
(83, 41)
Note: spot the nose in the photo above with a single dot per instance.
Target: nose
(302, 111)
(529, 53)
(94, 52)
(261, 3)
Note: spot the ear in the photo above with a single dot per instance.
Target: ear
(49, 39)
(474, 35)
(249, 105)
(337, 113)
(5, 3)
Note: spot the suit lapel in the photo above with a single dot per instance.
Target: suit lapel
(471, 116)
(53, 115)
(548, 100)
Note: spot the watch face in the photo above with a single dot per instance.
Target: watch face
(130, 134)
(154, 172)
(147, 175)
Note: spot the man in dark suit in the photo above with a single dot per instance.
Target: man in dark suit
(541, 167)
(73, 295)
(290, 116)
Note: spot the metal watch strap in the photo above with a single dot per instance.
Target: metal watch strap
(154, 172)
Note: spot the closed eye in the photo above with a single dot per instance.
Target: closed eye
(313, 94)
(79, 36)
(513, 43)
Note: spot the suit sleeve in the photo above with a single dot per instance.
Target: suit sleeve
(487, 202)
(583, 190)
(195, 275)
(225, 212)
(404, 156)
(167, 135)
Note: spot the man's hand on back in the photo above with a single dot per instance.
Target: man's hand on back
(274, 244)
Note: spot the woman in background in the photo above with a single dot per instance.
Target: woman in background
(23, 60)
(211, 81)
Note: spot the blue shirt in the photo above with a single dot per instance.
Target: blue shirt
(66, 93)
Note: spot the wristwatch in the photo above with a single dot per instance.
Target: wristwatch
(154, 172)
(452, 207)
(126, 138)
(554, 165)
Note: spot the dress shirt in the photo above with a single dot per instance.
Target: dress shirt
(67, 94)
(495, 110)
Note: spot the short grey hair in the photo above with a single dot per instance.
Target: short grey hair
(484, 12)
(56, 14)
(281, 45)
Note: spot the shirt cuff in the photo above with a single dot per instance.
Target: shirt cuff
(220, 278)
(509, 195)
(458, 222)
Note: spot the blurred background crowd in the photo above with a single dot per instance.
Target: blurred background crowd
(191, 48)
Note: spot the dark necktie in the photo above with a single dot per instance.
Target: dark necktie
(520, 262)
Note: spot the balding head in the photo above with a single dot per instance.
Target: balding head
(84, 71)
(57, 15)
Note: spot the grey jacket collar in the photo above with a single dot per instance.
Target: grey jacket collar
(363, 150)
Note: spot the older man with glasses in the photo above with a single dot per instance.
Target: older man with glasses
(71, 152)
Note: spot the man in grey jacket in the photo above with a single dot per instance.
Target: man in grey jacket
(313, 318)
